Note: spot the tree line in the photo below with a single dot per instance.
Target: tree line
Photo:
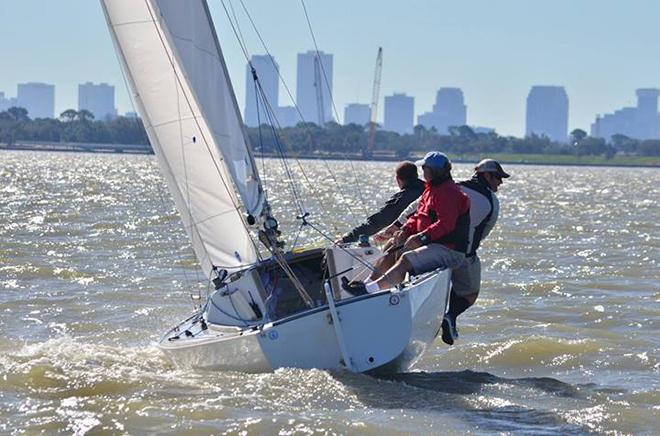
(352, 139)
(71, 126)
(308, 138)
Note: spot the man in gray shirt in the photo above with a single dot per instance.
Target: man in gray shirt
(484, 210)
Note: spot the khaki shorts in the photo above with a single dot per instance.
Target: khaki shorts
(466, 279)
(434, 256)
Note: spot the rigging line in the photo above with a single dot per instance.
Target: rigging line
(272, 122)
(238, 36)
(327, 84)
(227, 314)
(318, 55)
(145, 137)
(359, 190)
(238, 25)
(288, 91)
(236, 33)
(279, 258)
(296, 195)
(261, 140)
(263, 44)
(246, 54)
(275, 252)
(295, 241)
(364, 263)
(201, 132)
(325, 163)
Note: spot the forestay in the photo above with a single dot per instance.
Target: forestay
(175, 66)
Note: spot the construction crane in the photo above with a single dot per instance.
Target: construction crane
(374, 104)
(318, 84)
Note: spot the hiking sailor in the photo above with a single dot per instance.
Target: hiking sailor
(410, 188)
(484, 211)
(435, 236)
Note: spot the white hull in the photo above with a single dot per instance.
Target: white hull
(390, 329)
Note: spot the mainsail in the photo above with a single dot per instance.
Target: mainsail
(173, 61)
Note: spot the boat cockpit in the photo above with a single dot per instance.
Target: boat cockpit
(267, 293)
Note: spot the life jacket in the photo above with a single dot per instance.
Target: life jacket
(460, 235)
(477, 184)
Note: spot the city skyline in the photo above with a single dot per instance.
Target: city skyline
(640, 122)
(547, 109)
(494, 56)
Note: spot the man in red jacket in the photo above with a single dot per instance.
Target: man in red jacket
(435, 236)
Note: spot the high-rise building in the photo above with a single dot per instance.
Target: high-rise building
(287, 116)
(37, 98)
(6, 102)
(97, 99)
(449, 110)
(357, 113)
(399, 113)
(268, 73)
(547, 113)
(641, 122)
(314, 86)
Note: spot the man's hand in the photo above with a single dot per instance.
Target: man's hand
(385, 234)
(413, 242)
(399, 238)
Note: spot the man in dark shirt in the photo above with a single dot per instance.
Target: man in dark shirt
(411, 188)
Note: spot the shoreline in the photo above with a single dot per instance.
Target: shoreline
(544, 160)
(464, 159)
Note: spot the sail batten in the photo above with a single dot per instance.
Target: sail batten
(174, 65)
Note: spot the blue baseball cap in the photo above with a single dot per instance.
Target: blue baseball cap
(434, 159)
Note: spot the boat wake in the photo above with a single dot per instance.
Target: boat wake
(470, 382)
(535, 405)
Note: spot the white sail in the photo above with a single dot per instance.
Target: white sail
(174, 64)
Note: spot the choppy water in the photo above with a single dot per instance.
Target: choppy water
(94, 267)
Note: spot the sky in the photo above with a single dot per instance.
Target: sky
(494, 50)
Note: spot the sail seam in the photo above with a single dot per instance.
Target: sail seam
(175, 121)
(211, 217)
(128, 23)
(198, 47)
(206, 143)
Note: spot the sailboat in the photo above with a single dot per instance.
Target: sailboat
(282, 309)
